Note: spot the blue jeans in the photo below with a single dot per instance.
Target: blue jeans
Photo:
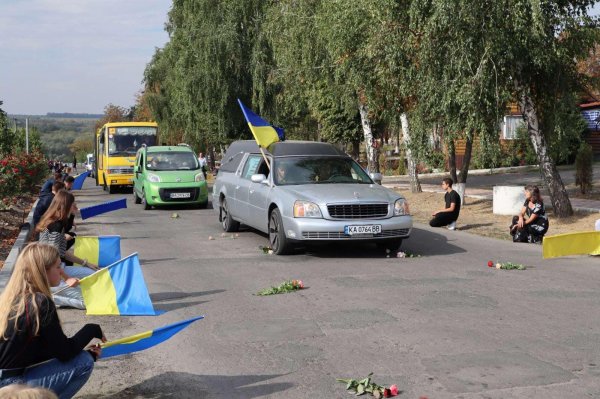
(65, 379)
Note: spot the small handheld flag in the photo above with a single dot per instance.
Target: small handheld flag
(105, 207)
(101, 251)
(582, 243)
(79, 179)
(145, 340)
(118, 289)
(264, 133)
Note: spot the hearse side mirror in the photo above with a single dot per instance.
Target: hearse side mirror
(259, 178)
(377, 177)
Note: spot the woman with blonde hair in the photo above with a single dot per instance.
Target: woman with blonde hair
(33, 347)
(52, 228)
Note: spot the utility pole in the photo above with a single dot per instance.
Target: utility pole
(27, 135)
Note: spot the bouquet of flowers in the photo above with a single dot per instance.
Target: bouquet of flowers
(283, 288)
(366, 385)
(507, 265)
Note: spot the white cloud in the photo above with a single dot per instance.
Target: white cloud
(76, 56)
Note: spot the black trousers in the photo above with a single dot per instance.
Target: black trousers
(442, 219)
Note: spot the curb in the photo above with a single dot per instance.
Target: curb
(489, 198)
(22, 239)
(492, 171)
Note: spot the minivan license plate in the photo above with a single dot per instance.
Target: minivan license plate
(368, 229)
(180, 195)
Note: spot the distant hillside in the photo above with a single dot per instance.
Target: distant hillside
(57, 132)
(73, 116)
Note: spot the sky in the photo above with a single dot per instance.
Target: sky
(76, 55)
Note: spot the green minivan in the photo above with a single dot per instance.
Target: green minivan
(168, 175)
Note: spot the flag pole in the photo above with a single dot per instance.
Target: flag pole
(265, 157)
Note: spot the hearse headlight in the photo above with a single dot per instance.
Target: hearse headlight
(305, 209)
(401, 207)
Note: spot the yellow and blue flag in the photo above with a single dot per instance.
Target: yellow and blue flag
(103, 208)
(145, 340)
(118, 289)
(79, 179)
(101, 251)
(582, 243)
(264, 133)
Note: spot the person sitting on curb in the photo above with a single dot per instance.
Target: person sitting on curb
(33, 347)
(448, 215)
(52, 229)
(532, 223)
(44, 202)
(47, 186)
(69, 182)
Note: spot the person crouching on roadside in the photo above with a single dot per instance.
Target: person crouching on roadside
(33, 347)
(448, 215)
(532, 223)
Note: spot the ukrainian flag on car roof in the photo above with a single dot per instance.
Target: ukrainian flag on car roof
(101, 251)
(145, 340)
(118, 289)
(264, 133)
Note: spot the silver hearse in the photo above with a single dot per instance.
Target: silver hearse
(314, 193)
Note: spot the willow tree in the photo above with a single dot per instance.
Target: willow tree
(542, 68)
(458, 85)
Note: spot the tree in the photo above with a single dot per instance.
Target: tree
(7, 137)
(542, 68)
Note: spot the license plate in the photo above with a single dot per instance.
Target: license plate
(180, 195)
(368, 229)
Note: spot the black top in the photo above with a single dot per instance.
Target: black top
(47, 187)
(22, 349)
(451, 197)
(42, 206)
(539, 210)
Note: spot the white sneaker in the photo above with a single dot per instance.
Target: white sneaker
(452, 226)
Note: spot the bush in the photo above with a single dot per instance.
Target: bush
(20, 173)
(584, 173)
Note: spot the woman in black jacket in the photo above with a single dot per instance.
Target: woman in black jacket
(33, 347)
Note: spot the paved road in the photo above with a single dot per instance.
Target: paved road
(442, 325)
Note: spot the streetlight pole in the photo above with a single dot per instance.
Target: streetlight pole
(27, 135)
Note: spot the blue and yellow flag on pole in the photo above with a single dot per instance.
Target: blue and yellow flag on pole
(145, 340)
(264, 133)
(103, 208)
(101, 251)
(582, 243)
(79, 179)
(118, 289)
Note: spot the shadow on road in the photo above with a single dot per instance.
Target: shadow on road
(171, 296)
(186, 385)
(421, 242)
(472, 226)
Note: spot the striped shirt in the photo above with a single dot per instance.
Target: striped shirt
(54, 235)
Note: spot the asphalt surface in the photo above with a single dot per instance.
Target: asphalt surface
(442, 325)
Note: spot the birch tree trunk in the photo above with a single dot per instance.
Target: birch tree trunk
(464, 168)
(415, 184)
(452, 159)
(372, 164)
(558, 194)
